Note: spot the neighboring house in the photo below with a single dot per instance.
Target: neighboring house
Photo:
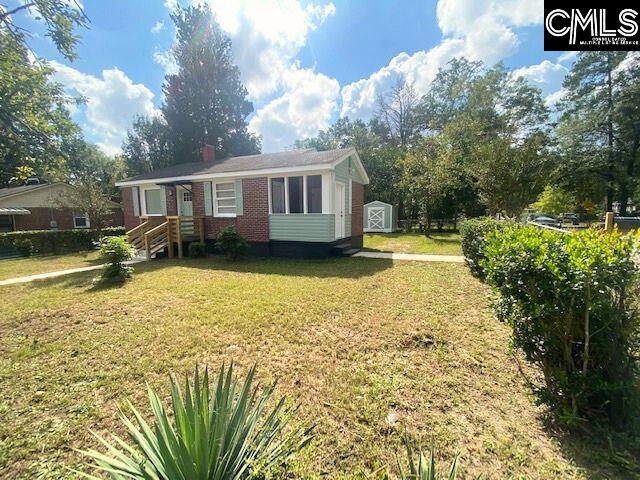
(34, 207)
(294, 203)
(380, 217)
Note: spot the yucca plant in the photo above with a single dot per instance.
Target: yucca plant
(219, 434)
(422, 469)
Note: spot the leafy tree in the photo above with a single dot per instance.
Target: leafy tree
(509, 178)
(555, 200)
(34, 121)
(59, 16)
(425, 182)
(148, 146)
(493, 134)
(88, 197)
(205, 102)
(87, 163)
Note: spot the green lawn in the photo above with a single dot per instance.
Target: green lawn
(18, 267)
(442, 243)
(356, 341)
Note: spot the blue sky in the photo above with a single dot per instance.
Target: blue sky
(304, 63)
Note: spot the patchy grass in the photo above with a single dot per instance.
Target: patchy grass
(20, 267)
(440, 243)
(366, 347)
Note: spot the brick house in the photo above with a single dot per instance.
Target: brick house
(34, 207)
(293, 203)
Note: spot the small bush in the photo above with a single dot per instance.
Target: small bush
(230, 243)
(58, 241)
(24, 246)
(115, 251)
(197, 250)
(422, 469)
(568, 300)
(224, 429)
(474, 232)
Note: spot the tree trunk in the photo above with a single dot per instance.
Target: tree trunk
(610, 166)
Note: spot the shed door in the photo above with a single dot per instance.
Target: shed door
(375, 221)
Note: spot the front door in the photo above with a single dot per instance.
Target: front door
(185, 202)
(339, 210)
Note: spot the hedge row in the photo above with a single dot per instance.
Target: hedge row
(571, 301)
(56, 241)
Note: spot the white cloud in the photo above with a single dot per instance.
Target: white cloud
(568, 56)
(267, 36)
(112, 102)
(307, 105)
(476, 29)
(157, 27)
(165, 60)
(460, 17)
(547, 76)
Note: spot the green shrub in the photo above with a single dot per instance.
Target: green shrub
(567, 299)
(230, 243)
(24, 246)
(224, 431)
(58, 241)
(197, 250)
(422, 469)
(473, 233)
(115, 251)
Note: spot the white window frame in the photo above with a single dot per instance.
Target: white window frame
(214, 199)
(83, 215)
(305, 209)
(143, 201)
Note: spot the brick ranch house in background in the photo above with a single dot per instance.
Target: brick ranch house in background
(293, 203)
(34, 207)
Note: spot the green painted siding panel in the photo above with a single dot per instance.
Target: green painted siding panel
(347, 225)
(313, 227)
(239, 199)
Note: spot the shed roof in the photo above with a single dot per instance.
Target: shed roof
(378, 202)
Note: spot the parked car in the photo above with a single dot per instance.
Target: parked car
(548, 221)
(572, 218)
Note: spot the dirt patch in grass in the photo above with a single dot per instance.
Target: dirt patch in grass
(438, 243)
(366, 347)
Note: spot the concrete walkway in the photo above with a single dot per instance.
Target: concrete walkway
(58, 273)
(418, 257)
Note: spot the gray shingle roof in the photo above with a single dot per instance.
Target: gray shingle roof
(4, 192)
(292, 158)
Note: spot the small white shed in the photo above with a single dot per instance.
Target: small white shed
(380, 217)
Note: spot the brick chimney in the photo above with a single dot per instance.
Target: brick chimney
(208, 153)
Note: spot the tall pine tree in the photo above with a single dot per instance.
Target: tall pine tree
(588, 130)
(205, 102)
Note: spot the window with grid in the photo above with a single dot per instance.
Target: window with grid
(225, 199)
(80, 220)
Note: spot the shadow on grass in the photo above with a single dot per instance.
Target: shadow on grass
(602, 453)
(320, 268)
(317, 268)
